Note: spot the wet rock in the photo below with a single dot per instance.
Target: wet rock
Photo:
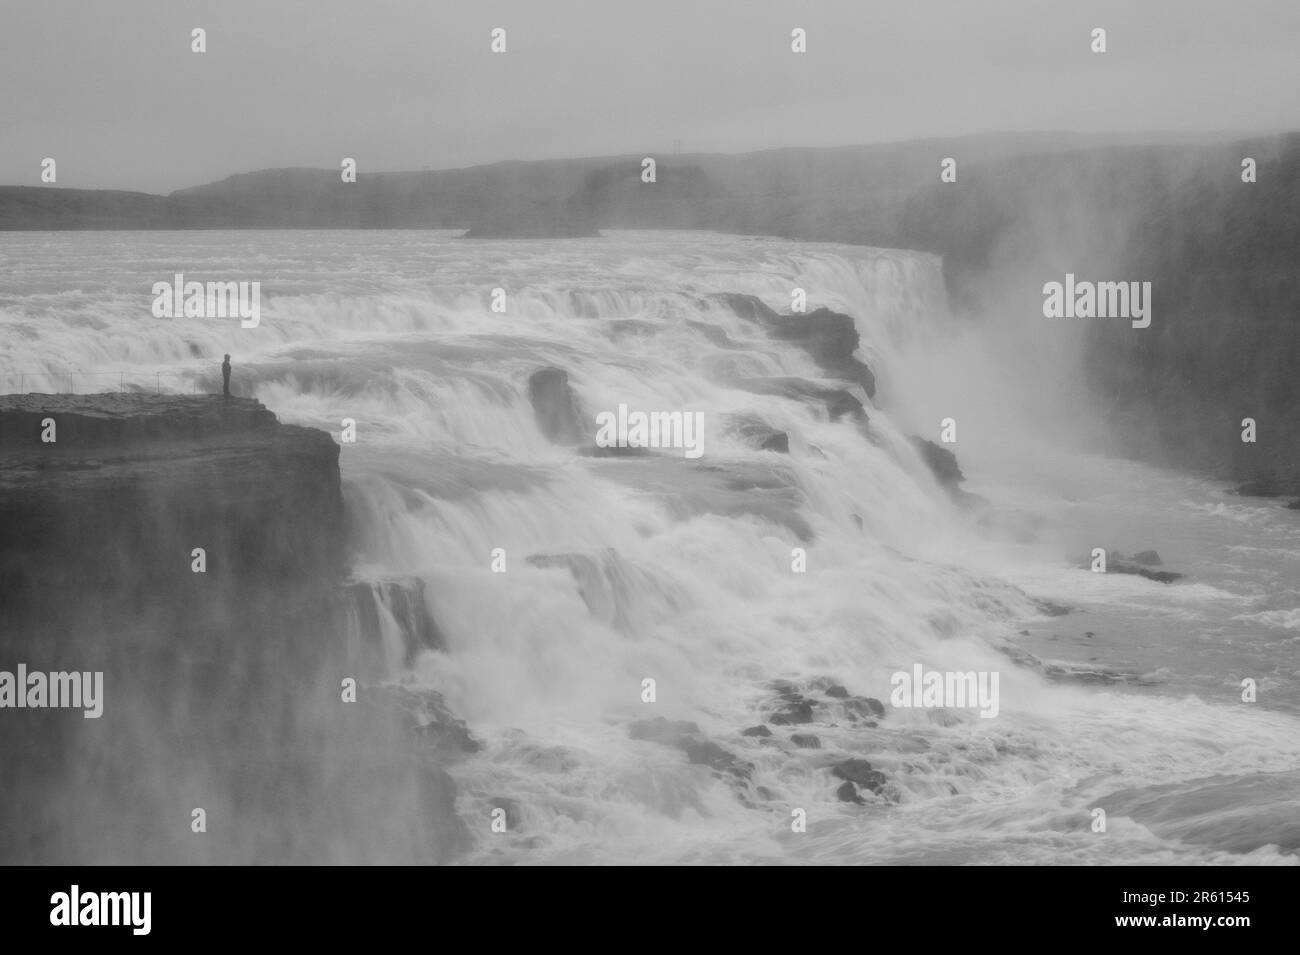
(830, 339)
(555, 406)
(793, 714)
(849, 793)
(707, 753)
(759, 730)
(837, 691)
(759, 434)
(1148, 558)
(864, 707)
(806, 741)
(859, 772)
(1159, 576)
(1124, 567)
(748, 306)
(941, 462)
(943, 465)
(841, 404)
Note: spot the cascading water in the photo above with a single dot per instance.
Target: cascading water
(623, 568)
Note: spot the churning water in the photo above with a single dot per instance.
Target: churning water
(679, 570)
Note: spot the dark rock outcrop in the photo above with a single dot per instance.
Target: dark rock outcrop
(793, 713)
(556, 406)
(1117, 563)
(829, 338)
(759, 434)
(941, 462)
(943, 465)
(192, 548)
(864, 707)
(860, 773)
(847, 792)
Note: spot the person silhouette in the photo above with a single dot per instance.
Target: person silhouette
(225, 377)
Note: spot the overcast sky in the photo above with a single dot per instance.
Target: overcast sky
(110, 89)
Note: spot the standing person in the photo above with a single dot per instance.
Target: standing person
(225, 377)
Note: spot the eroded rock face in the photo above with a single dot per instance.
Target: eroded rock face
(102, 523)
(401, 600)
(192, 549)
(829, 338)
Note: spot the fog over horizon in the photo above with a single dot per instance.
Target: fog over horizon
(116, 96)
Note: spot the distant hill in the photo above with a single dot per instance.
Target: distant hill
(850, 193)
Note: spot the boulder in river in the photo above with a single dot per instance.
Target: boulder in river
(860, 773)
(555, 406)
